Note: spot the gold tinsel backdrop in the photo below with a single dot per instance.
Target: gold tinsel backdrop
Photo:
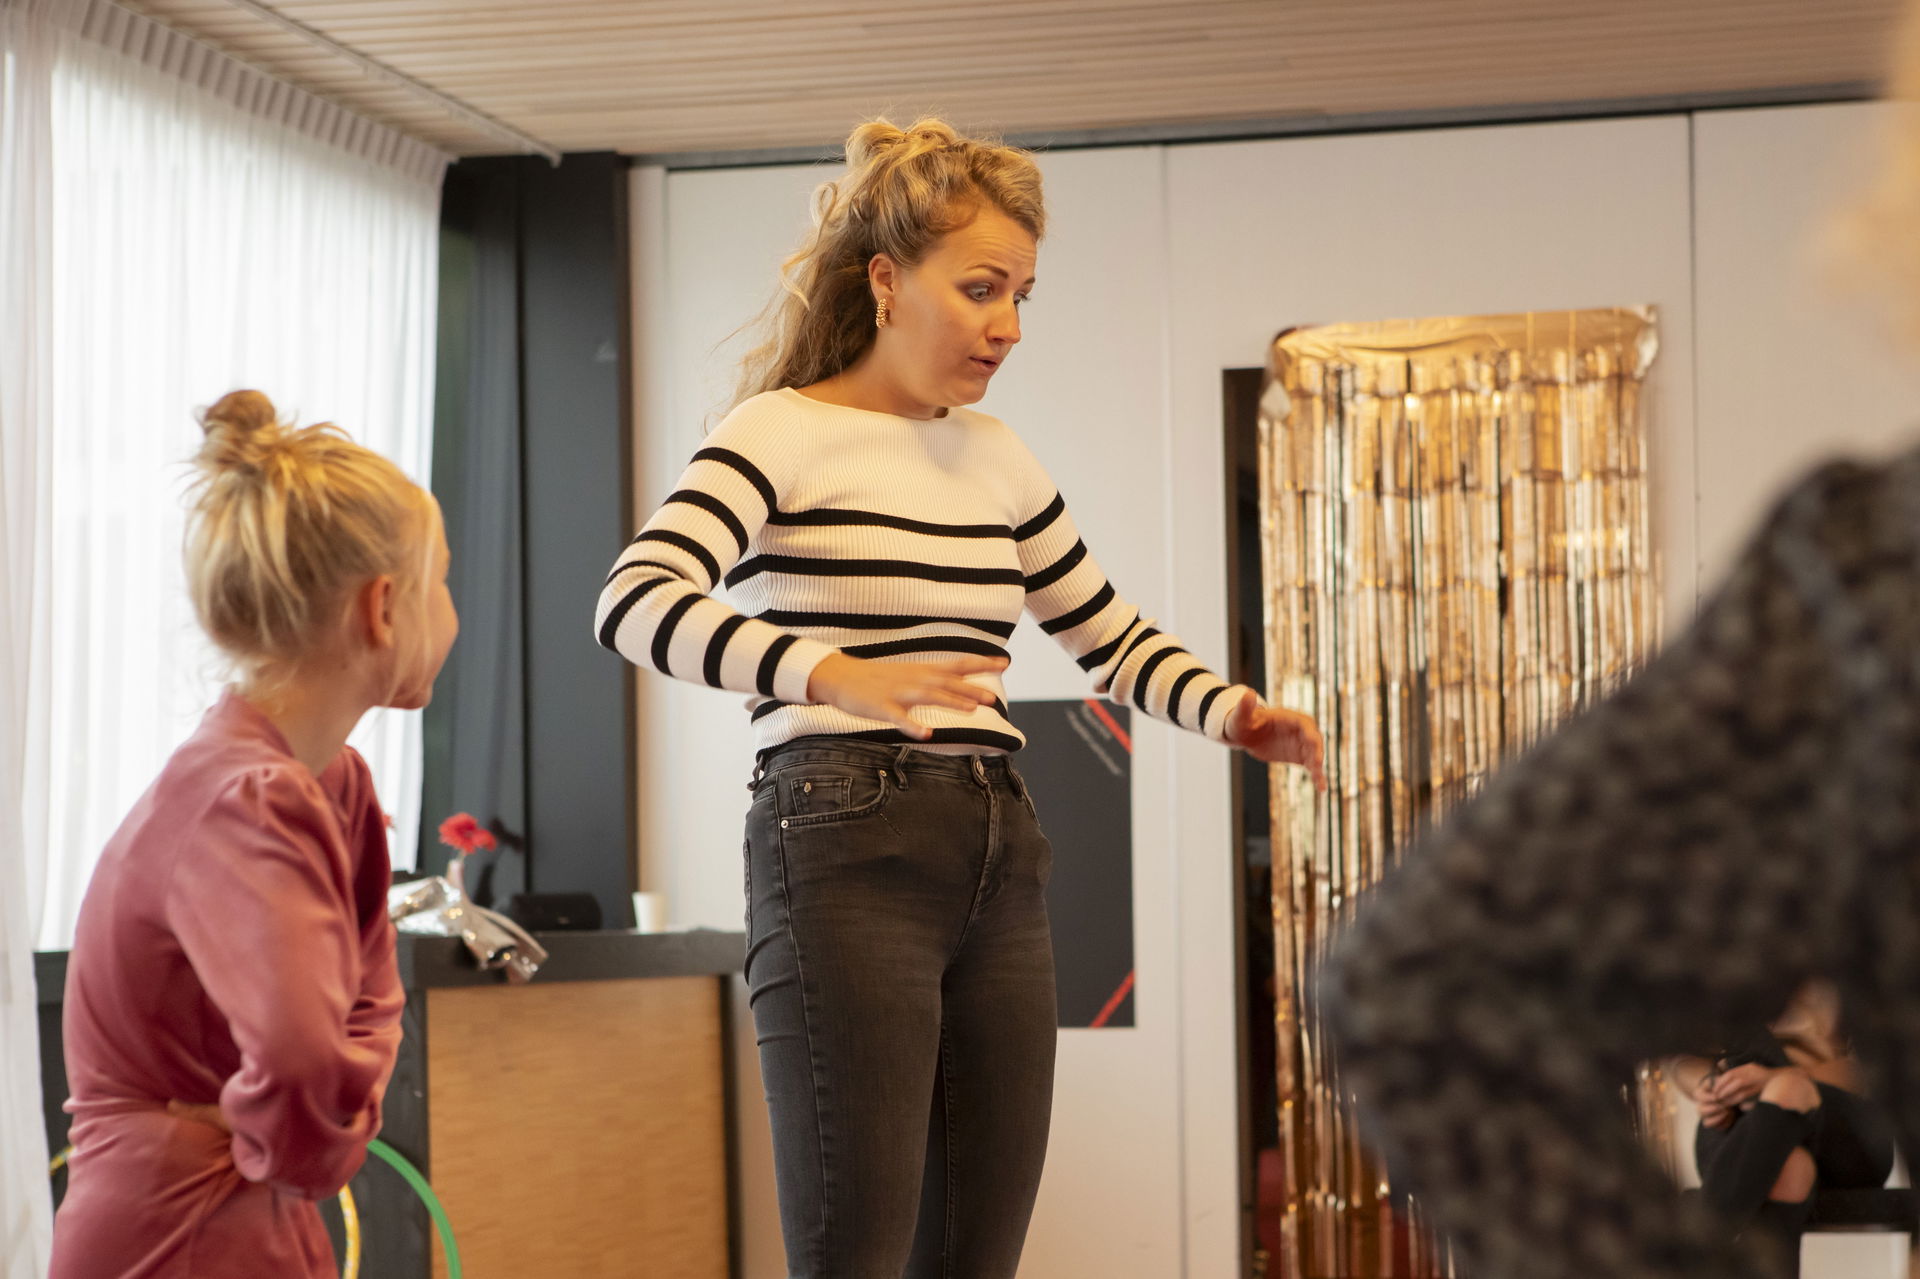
(1457, 555)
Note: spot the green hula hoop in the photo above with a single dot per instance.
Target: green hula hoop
(405, 1168)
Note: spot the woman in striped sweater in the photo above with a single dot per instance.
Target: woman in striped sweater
(879, 543)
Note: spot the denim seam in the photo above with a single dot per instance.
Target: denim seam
(1019, 785)
(746, 856)
(986, 874)
(946, 1087)
(813, 1060)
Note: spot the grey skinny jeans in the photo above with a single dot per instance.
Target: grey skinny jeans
(901, 977)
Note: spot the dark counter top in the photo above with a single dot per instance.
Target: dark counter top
(431, 963)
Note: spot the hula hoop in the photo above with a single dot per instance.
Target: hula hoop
(401, 1165)
(350, 1213)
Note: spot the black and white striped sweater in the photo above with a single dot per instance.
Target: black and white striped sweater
(883, 537)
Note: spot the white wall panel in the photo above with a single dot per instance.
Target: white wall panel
(1266, 235)
(1792, 368)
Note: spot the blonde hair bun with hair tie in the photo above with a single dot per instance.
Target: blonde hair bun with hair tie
(285, 522)
(241, 411)
(240, 430)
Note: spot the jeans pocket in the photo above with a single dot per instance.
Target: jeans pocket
(808, 796)
(821, 795)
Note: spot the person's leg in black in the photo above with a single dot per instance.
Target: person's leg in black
(1853, 1148)
(861, 876)
(993, 1100)
(1742, 1172)
(1760, 1172)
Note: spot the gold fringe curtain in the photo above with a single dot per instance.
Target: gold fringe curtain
(1457, 554)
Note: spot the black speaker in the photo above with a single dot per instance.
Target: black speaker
(555, 912)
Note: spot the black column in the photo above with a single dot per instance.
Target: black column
(531, 727)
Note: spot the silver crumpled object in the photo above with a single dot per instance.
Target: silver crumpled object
(433, 907)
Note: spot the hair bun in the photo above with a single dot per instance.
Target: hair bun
(875, 139)
(869, 141)
(241, 428)
(242, 411)
(934, 132)
(283, 521)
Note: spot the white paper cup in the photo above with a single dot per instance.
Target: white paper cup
(649, 912)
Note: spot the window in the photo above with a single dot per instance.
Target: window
(203, 229)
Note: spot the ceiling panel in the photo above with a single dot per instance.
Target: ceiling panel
(672, 76)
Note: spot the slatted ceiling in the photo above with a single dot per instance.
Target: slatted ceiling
(662, 76)
(282, 54)
(475, 66)
(326, 75)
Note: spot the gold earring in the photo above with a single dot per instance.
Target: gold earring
(880, 315)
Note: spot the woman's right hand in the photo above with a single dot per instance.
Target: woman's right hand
(1714, 1114)
(889, 691)
(1697, 1077)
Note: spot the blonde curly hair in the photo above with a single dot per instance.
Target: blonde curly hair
(904, 189)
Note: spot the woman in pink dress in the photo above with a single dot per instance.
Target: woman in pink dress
(232, 1004)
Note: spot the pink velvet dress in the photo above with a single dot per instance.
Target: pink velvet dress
(233, 948)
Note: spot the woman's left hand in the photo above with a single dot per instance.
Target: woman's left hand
(1277, 736)
(1741, 1084)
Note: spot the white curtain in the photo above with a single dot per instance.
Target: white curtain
(26, 59)
(198, 247)
(173, 225)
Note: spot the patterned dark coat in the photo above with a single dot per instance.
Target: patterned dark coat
(1663, 872)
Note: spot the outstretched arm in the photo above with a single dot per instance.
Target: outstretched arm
(1131, 660)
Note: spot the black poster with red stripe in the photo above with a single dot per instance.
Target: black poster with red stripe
(1078, 764)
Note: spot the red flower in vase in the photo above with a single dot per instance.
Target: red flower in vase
(463, 833)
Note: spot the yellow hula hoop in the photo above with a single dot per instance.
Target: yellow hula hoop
(349, 1212)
